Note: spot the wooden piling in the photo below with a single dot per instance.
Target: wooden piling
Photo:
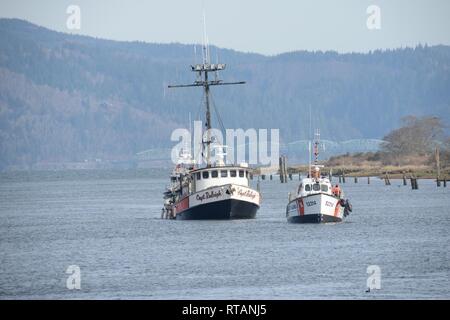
(356, 179)
(283, 169)
(438, 163)
(280, 162)
(368, 180)
(387, 181)
(414, 184)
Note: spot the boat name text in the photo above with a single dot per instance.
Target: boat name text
(209, 195)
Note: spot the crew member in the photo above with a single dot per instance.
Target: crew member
(336, 191)
(316, 173)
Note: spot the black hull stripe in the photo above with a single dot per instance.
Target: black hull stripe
(220, 210)
(313, 218)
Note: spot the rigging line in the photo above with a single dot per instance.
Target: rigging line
(218, 117)
(200, 106)
(197, 117)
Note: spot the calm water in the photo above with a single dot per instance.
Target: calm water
(108, 224)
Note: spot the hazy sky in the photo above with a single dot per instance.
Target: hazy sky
(263, 26)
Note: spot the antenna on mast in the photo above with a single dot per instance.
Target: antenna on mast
(309, 158)
(195, 53)
(309, 142)
(316, 146)
(205, 40)
(202, 71)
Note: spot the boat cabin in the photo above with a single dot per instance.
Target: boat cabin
(217, 176)
(310, 186)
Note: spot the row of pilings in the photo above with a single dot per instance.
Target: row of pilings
(341, 176)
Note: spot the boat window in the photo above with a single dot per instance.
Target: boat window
(199, 176)
(324, 187)
(223, 173)
(214, 174)
(316, 187)
(307, 187)
(205, 174)
(232, 173)
(241, 173)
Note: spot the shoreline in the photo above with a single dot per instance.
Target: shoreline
(393, 172)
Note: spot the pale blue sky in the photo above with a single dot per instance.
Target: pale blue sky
(263, 26)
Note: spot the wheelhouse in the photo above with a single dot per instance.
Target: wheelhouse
(210, 177)
(313, 186)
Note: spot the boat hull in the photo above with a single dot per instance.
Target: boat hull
(313, 218)
(315, 208)
(220, 210)
(219, 203)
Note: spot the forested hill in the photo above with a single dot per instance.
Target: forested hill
(69, 98)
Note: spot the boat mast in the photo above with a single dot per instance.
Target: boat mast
(208, 122)
(206, 60)
(202, 71)
(316, 147)
(309, 143)
(316, 154)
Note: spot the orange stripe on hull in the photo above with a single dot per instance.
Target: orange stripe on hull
(182, 205)
(336, 210)
(301, 207)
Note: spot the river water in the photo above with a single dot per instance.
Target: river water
(108, 224)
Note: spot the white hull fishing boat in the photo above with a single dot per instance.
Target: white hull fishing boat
(316, 200)
(217, 190)
(211, 197)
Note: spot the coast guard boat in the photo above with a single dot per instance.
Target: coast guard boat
(316, 200)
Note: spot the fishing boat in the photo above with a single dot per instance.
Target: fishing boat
(215, 190)
(316, 200)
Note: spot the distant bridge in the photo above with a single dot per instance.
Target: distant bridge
(294, 149)
(353, 145)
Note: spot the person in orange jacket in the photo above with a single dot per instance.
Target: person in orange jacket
(336, 191)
